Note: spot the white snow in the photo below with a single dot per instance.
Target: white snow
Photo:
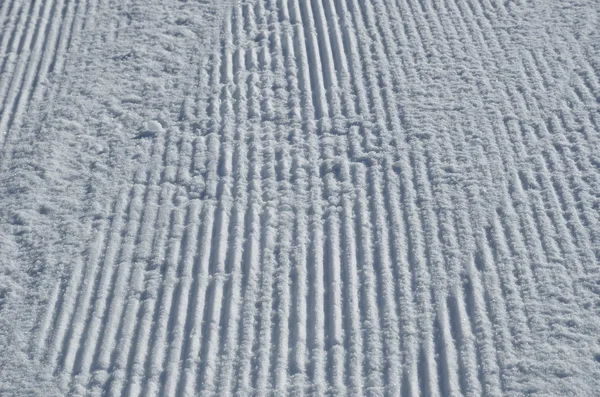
(299, 197)
(154, 126)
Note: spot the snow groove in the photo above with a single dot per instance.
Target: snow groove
(362, 207)
(35, 41)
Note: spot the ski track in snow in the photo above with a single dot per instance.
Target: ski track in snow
(378, 197)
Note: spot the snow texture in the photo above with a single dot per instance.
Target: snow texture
(299, 197)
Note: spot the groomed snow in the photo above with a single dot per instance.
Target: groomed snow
(299, 197)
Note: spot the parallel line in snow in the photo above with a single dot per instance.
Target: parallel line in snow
(282, 290)
(326, 219)
(236, 255)
(179, 239)
(11, 22)
(101, 289)
(386, 283)
(41, 46)
(17, 64)
(292, 49)
(46, 324)
(128, 338)
(152, 283)
(265, 340)
(203, 349)
(376, 375)
(6, 8)
(251, 264)
(78, 325)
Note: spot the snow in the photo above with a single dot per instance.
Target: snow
(299, 197)
(154, 126)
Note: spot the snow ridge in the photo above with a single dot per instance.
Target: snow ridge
(379, 197)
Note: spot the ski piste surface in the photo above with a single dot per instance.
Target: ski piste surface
(299, 197)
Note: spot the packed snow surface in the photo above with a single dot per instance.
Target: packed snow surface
(299, 197)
